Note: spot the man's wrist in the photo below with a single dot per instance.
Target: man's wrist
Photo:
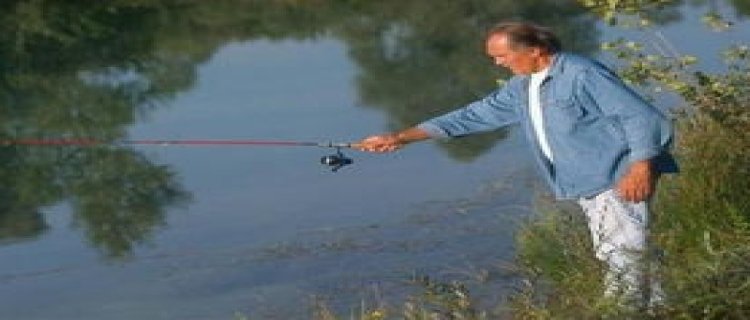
(401, 137)
(410, 135)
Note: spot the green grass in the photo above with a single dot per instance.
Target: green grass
(562, 278)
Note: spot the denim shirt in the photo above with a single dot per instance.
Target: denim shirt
(595, 125)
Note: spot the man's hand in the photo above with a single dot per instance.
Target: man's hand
(638, 183)
(390, 142)
(380, 143)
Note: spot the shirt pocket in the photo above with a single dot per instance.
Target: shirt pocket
(563, 113)
(615, 130)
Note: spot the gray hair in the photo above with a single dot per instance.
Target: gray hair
(527, 35)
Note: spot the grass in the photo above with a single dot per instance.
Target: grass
(438, 301)
(562, 278)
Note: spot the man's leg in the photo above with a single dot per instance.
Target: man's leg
(619, 230)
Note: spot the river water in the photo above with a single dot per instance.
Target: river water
(211, 232)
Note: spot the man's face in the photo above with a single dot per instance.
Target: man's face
(519, 60)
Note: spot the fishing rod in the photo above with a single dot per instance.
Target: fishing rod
(335, 161)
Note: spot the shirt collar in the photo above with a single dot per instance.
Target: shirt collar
(557, 64)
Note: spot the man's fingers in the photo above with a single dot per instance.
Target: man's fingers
(377, 147)
(380, 143)
(627, 194)
(633, 193)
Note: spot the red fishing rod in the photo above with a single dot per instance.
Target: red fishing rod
(335, 161)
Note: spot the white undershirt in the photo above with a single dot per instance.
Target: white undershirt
(535, 111)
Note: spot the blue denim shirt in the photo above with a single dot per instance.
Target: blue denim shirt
(595, 125)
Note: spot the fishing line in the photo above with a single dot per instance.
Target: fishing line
(335, 161)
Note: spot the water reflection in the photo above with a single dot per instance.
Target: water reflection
(77, 69)
(18, 224)
(90, 69)
(118, 196)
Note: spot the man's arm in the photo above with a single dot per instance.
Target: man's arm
(496, 110)
(389, 142)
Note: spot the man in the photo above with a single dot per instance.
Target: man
(594, 139)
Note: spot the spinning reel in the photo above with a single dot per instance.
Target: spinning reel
(336, 161)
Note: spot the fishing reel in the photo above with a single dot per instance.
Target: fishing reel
(336, 161)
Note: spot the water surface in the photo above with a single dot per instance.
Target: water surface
(165, 232)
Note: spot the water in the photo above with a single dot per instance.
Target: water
(189, 232)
